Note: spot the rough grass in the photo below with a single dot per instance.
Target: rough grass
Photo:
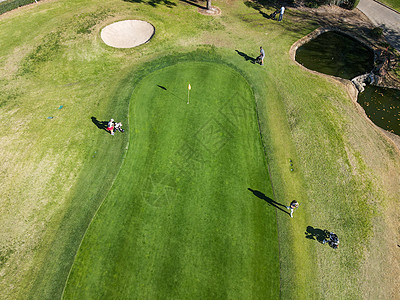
(392, 3)
(346, 174)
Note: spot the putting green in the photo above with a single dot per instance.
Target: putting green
(180, 221)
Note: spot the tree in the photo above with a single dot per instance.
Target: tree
(208, 4)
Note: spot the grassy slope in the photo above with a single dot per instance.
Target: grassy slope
(346, 175)
(180, 221)
(392, 3)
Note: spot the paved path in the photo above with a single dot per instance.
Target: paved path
(384, 17)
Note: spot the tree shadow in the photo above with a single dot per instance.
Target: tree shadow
(246, 57)
(269, 200)
(316, 234)
(154, 3)
(194, 3)
(100, 124)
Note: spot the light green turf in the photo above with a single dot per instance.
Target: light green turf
(180, 221)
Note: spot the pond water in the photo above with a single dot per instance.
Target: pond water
(382, 106)
(336, 54)
(339, 55)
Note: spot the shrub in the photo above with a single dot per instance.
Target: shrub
(350, 4)
(13, 4)
(376, 32)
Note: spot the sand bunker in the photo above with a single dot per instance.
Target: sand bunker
(127, 34)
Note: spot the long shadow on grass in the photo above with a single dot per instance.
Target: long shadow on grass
(269, 200)
(194, 3)
(168, 91)
(316, 234)
(100, 124)
(246, 57)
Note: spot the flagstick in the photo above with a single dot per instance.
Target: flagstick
(189, 88)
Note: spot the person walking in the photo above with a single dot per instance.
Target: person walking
(261, 56)
(110, 126)
(281, 13)
(293, 205)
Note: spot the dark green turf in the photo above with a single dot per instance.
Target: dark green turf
(180, 221)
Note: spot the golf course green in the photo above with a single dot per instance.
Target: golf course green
(180, 219)
(189, 202)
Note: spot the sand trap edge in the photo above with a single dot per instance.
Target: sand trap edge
(111, 35)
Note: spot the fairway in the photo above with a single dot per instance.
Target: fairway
(179, 221)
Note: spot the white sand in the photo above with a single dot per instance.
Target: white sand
(127, 34)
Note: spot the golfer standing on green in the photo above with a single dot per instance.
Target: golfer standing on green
(293, 205)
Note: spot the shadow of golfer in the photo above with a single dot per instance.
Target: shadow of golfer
(269, 200)
(246, 57)
(100, 124)
(316, 234)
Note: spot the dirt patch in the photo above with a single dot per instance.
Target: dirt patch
(214, 11)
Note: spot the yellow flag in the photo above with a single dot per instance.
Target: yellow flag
(189, 87)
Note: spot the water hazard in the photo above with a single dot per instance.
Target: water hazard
(382, 106)
(339, 55)
(336, 54)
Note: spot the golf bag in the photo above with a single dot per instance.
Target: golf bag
(258, 60)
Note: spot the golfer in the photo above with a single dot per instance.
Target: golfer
(262, 55)
(293, 205)
(281, 13)
(110, 126)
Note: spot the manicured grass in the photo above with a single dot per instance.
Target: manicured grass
(180, 221)
(56, 172)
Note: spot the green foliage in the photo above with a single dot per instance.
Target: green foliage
(316, 3)
(13, 4)
(349, 4)
(376, 32)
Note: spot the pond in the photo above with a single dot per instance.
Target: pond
(336, 54)
(339, 55)
(382, 106)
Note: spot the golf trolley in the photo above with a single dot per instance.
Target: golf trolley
(332, 239)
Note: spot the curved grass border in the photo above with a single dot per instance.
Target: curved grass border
(146, 69)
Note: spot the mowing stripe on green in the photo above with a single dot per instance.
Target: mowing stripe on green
(180, 221)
